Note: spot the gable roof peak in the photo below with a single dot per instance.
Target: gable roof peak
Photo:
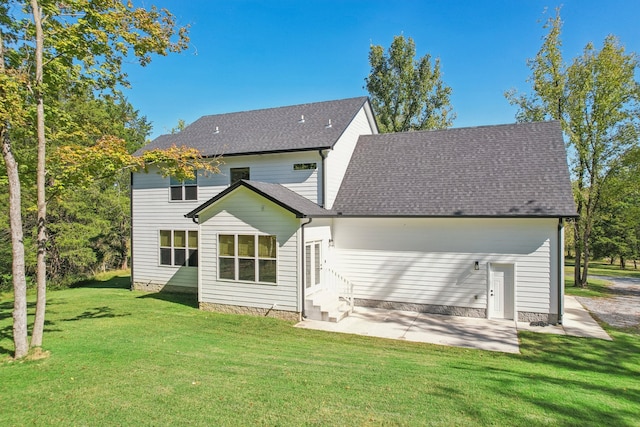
(268, 130)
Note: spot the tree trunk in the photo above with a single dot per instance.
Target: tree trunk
(125, 253)
(20, 334)
(41, 266)
(586, 254)
(578, 250)
(585, 266)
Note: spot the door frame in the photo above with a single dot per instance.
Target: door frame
(310, 270)
(513, 314)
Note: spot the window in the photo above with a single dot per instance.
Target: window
(247, 258)
(236, 174)
(184, 190)
(179, 248)
(313, 264)
(305, 166)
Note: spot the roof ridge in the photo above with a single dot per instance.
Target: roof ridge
(257, 110)
(478, 127)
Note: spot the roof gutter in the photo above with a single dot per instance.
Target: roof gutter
(560, 262)
(131, 275)
(302, 279)
(323, 170)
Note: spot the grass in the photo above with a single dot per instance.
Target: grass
(130, 358)
(601, 268)
(596, 287)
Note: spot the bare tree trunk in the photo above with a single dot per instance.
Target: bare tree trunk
(585, 268)
(41, 266)
(20, 332)
(578, 251)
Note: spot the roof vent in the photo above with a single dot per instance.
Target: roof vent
(301, 119)
(328, 125)
(217, 130)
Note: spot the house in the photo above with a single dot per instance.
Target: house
(314, 209)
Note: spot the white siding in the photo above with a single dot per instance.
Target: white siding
(338, 159)
(431, 261)
(244, 212)
(151, 212)
(272, 168)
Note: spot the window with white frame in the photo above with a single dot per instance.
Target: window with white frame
(313, 263)
(247, 258)
(184, 190)
(179, 248)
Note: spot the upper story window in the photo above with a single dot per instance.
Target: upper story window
(179, 248)
(184, 190)
(304, 166)
(236, 174)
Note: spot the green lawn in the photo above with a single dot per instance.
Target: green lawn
(130, 358)
(600, 268)
(596, 287)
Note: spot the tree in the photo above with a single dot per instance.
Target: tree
(80, 44)
(12, 113)
(92, 221)
(597, 99)
(88, 227)
(407, 94)
(616, 229)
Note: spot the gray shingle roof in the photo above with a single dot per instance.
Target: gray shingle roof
(268, 130)
(504, 170)
(288, 199)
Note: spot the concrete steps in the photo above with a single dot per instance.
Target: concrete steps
(326, 306)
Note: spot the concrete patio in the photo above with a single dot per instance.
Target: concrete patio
(477, 333)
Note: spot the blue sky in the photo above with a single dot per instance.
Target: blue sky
(250, 54)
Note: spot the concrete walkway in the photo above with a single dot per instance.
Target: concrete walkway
(483, 334)
(577, 322)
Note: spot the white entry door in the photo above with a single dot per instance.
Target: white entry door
(312, 266)
(501, 291)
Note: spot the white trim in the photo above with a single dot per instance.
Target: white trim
(514, 268)
(317, 281)
(236, 258)
(172, 247)
(182, 186)
(199, 279)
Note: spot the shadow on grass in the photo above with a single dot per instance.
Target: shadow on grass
(586, 354)
(578, 364)
(116, 282)
(594, 289)
(189, 300)
(103, 312)
(6, 333)
(6, 310)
